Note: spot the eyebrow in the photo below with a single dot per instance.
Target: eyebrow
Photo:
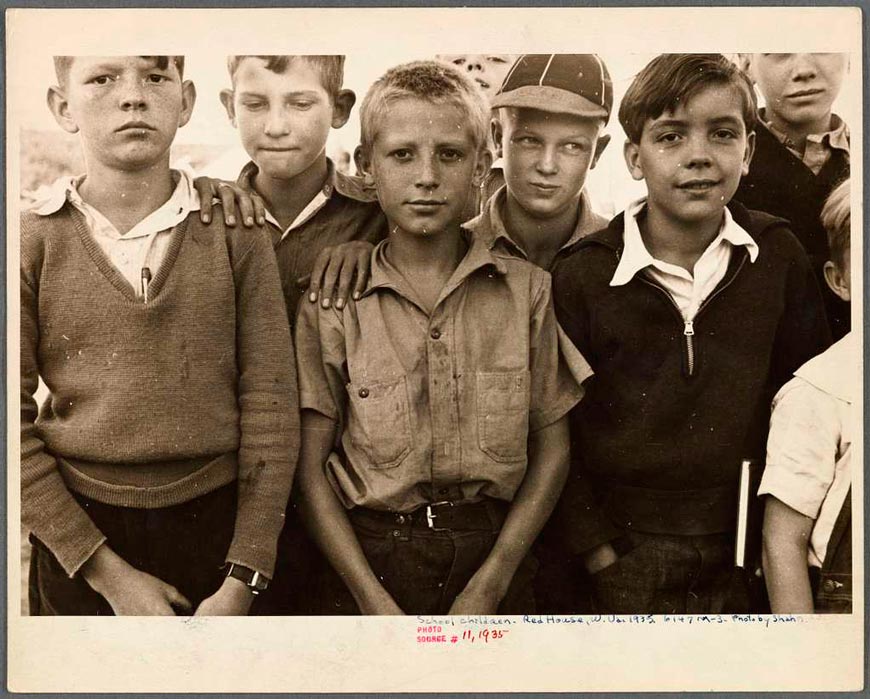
(670, 123)
(295, 94)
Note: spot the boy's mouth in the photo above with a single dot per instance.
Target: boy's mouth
(698, 185)
(804, 93)
(544, 186)
(135, 126)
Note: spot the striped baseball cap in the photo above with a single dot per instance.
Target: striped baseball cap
(564, 83)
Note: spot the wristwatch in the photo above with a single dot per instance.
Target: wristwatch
(256, 582)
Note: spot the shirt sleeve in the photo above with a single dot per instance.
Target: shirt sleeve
(48, 509)
(801, 447)
(321, 359)
(268, 402)
(557, 368)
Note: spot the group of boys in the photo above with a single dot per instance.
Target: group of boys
(448, 400)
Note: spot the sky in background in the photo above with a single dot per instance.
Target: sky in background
(609, 185)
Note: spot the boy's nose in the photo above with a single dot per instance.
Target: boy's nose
(803, 66)
(699, 154)
(548, 163)
(276, 124)
(133, 96)
(427, 174)
(475, 63)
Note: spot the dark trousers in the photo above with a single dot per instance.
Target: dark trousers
(667, 574)
(184, 545)
(424, 570)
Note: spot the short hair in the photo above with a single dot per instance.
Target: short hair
(431, 81)
(672, 79)
(330, 68)
(62, 65)
(837, 219)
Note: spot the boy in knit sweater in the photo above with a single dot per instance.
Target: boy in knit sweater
(155, 475)
(692, 311)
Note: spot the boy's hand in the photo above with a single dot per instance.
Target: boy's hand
(342, 263)
(382, 605)
(476, 599)
(250, 206)
(131, 592)
(233, 598)
(599, 558)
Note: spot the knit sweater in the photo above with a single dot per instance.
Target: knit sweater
(780, 184)
(659, 438)
(154, 404)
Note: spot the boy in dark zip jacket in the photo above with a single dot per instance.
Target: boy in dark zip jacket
(692, 314)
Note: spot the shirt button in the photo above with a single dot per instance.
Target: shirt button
(364, 393)
(435, 334)
(400, 519)
(442, 491)
(397, 533)
(829, 586)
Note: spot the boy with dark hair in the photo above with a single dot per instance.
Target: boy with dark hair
(450, 412)
(692, 313)
(807, 548)
(802, 152)
(284, 108)
(168, 442)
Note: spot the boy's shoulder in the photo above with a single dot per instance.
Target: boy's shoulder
(353, 188)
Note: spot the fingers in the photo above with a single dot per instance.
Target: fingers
(330, 277)
(228, 202)
(246, 207)
(205, 190)
(176, 599)
(363, 270)
(317, 271)
(344, 279)
(259, 209)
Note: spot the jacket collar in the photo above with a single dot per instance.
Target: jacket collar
(832, 371)
(346, 185)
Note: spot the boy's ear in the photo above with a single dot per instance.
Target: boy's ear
(59, 107)
(750, 151)
(631, 152)
(188, 99)
(600, 145)
(497, 132)
(836, 282)
(481, 168)
(342, 105)
(227, 97)
(363, 166)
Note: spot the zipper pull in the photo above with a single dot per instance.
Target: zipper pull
(689, 329)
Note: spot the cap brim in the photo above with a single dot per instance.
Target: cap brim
(549, 99)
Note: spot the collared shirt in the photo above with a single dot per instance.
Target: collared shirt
(491, 228)
(436, 406)
(342, 210)
(818, 147)
(688, 290)
(809, 448)
(144, 245)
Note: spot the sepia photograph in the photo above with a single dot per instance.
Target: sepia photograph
(435, 350)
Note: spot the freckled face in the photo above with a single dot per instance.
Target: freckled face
(692, 159)
(126, 109)
(283, 118)
(423, 162)
(546, 158)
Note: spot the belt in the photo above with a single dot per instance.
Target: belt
(680, 512)
(441, 516)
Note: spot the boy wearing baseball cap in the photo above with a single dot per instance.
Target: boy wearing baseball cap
(549, 117)
(550, 113)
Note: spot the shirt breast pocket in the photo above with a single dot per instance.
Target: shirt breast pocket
(380, 424)
(503, 414)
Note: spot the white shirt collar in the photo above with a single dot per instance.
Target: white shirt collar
(635, 256)
(834, 371)
(183, 200)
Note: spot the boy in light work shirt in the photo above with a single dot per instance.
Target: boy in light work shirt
(168, 442)
(802, 152)
(692, 311)
(449, 411)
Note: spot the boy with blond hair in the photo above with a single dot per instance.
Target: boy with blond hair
(807, 550)
(435, 437)
(154, 478)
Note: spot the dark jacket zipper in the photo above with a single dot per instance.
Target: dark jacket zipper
(689, 325)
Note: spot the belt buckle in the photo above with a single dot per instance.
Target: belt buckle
(431, 516)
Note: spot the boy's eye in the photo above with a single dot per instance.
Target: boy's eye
(302, 104)
(157, 79)
(458, 61)
(101, 80)
(451, 154)
(526, 141)
(401, 154)
(574, 147)
(496, 59)
(668, 137)
(724, 134)
(253, 106)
